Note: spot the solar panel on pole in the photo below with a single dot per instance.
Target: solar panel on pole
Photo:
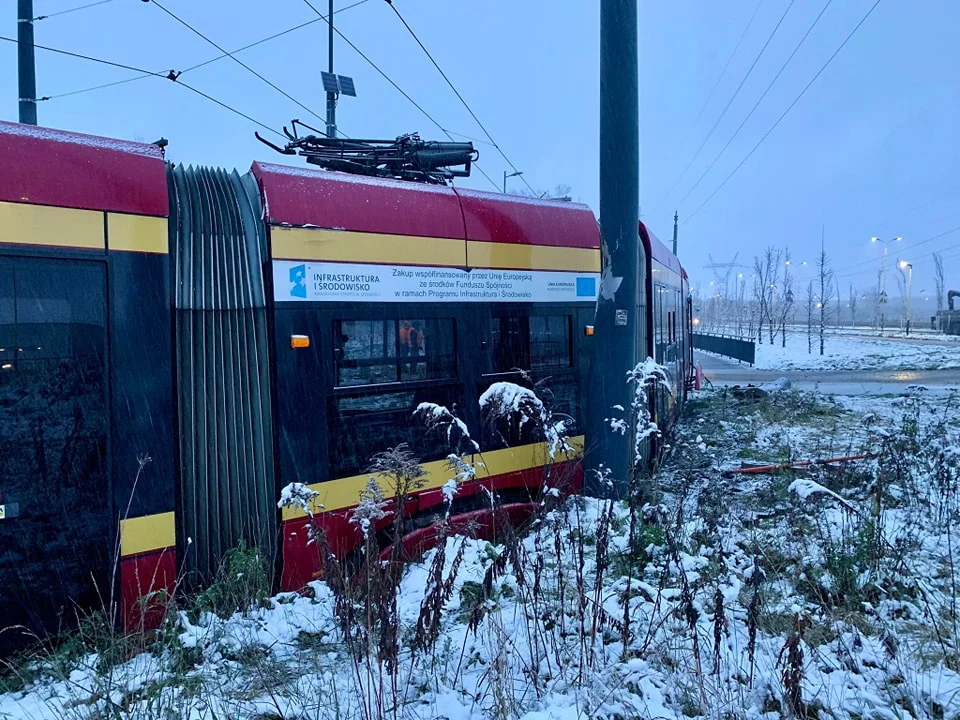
(346, 86)
(330, 84)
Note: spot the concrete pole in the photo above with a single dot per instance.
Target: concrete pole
(883, 286)
(620, 326)
(676, 217)
(909, 293)
(26, 65)
(331, 97)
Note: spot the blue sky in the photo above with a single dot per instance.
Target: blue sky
(872, 148)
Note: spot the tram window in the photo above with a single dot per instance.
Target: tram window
(427, 349)
(551, 343)
(510, 338)
(371, 423)
(366, 352)
(376, 352)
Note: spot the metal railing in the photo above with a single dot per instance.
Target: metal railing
(742, 350)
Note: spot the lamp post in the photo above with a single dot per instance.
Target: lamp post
(882, 297)
(505, 176)
(904, 265)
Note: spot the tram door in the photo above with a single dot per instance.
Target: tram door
(56, 531)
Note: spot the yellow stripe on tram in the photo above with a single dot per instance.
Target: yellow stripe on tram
(137, 233)
(360, 247)
(145, 534)
(23, 224)
(507, 256)
(345, 492)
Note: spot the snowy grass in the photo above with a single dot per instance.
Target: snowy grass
(828, 592)
(855, 353)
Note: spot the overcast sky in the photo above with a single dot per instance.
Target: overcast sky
(872, 148)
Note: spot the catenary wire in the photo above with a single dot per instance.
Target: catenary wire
(170, 75)
(70, 10)
(756, 104)
(238, 61)
(457, 92)
(274, 36)
(727, 64)
(205, 62)
(785, 112)
(909, 246)
(81, 56)
(723, 112)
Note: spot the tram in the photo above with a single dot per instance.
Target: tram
(177, 344)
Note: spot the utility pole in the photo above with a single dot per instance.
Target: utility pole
(882, 297)
(26, 65)
(620, 326)
(904, 265)
(331, 97)
(676, 217)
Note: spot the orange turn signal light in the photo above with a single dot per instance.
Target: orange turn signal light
(588, 330)
(299, 341)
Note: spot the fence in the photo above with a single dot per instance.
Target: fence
(742, 350)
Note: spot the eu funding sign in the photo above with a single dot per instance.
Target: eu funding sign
(353, 282)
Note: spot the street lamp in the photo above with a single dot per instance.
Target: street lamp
(904, 265)
(882, 297)
(505, 176)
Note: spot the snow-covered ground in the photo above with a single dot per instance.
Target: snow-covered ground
(842, 352)
(829, 593)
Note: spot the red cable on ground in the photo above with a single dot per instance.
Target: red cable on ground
(802, 463)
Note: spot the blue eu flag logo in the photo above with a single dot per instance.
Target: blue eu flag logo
(298, 281)
(586, 287)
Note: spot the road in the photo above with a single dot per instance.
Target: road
(721, 371)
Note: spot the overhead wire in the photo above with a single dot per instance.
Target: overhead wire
(723, 112)
(908, 246)
(237, 60)
(723, 72)
(274, 36)
(70, 10)
(81, 56)
(386, 77)
(756, 104)
(205, 62)
(457, 93)
(785, 112)
(169, 75)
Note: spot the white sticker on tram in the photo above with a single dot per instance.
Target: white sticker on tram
(331, 282)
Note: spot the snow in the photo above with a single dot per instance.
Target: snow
(299, 496)
(92, 141)
(843, 352)
(547, 641)
(506, 399)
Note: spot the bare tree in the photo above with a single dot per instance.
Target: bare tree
(853, 305)
(766, 278)
(810, 317)
(938, 279)
(825, 277)
(786, 298)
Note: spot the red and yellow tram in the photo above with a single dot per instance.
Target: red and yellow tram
(177, 344)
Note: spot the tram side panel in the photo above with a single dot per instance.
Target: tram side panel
(144, 457)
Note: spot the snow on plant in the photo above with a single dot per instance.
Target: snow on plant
(515, 403)
(646, 373)
(439, 417)
(298, 495)
(371, 508)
